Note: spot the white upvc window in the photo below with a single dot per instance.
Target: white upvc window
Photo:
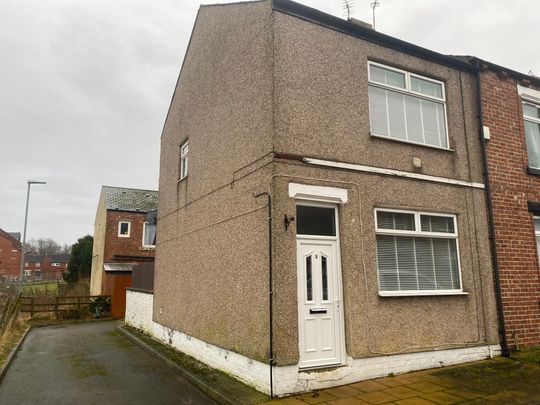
(531, 118)
(55, 264)
(124, 229)
(407, 107)
(417, 253)
(537, 234)
(184, 149)
(149, 235)
(38, 264)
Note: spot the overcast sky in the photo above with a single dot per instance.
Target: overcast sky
(85, 87)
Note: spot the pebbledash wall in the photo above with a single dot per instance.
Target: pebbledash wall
(515, 189)
(290, 379)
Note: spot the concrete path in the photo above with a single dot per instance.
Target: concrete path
(91, 363)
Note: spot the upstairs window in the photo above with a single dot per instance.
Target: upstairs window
(407, 107)
(55, 264)
(38, 264)
(417, 253)
(184, 149)
(124, 229)
(531, 117)
(149, 235)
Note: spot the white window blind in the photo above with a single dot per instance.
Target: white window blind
(531, 116)
(417, 252)
(149, 235)
(406, 106)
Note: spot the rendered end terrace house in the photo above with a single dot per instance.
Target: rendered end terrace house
(321, 205)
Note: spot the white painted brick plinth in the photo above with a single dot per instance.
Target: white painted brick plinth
(290, 379)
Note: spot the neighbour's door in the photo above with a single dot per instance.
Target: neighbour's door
(319, 288)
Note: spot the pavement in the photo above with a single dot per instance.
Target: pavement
(91, 363)
(498, 381)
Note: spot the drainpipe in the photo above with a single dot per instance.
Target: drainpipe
(491, 222)
(270, 292)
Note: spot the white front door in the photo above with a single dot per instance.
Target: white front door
(319, 298)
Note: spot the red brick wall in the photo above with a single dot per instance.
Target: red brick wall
(9, 260)
(511, 188)
(132, 246)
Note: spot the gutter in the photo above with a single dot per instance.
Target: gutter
(489, 202)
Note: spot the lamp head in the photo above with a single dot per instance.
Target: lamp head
(36, 182)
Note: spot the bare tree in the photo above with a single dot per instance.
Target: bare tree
(43, 246)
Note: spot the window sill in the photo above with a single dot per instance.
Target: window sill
(533, 172)
(419, 293)
(411, 142)
(147, 248)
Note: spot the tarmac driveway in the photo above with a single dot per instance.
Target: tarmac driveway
(91, 363)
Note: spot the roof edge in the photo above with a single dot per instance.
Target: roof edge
(486, 65)
(337, 24)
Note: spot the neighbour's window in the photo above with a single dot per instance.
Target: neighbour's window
(124, 229)
(25, 264)
(537, 233)
(531, 117)
(55, 264)
(184, 160)
(149, 235)
(406, 106)
(417, 253)
(38, 264)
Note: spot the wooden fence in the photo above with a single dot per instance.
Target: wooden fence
(97, 304)
(9, 313)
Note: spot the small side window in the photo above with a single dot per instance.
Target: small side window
(124, 229)
(184, 149)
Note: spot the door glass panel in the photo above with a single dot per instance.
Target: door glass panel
(309, 280)
(315, 221)
(324, 278)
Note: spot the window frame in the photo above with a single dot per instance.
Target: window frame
(120, 235)
(408, 91)
(184, 162)
(419, 233)
(536, 235)
(143, 233)
(534, 120)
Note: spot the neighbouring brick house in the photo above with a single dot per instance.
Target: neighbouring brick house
(511, 120)
(332, 225)
(10, 255)
(123, 239)
(45, 267)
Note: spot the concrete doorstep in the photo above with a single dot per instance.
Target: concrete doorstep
(219, 386)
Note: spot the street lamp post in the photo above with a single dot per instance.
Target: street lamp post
(21, 272)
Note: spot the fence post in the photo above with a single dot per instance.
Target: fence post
(79, 305)
(32, 306)
(56, 306)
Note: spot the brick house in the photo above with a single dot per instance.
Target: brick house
(322, 204)
(10, 256)
(123, 238)
(511, 120)
(45, 267)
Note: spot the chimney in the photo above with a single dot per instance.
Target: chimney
(360, 23)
